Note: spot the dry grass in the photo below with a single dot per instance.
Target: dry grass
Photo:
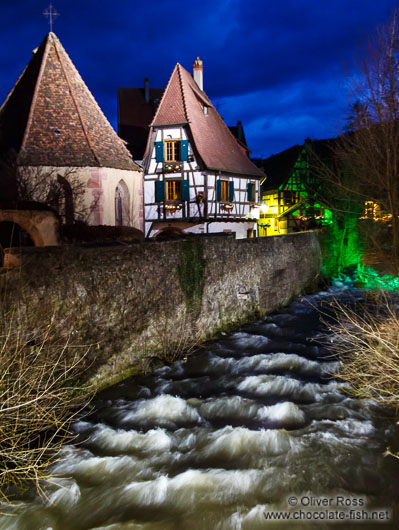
(366, 341)
(368, 348)
(172, 338)
(38, 400)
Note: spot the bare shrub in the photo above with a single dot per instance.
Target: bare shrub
(171, 339)
(39, 398)
(368, 348)
(64, 193)
(369, 151)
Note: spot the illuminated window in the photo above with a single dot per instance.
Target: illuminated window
(372, 210)
(172, 151)
(224, 190)
(173, 190)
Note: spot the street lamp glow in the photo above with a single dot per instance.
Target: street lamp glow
(264, 207)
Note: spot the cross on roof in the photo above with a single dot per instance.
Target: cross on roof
(51, 13)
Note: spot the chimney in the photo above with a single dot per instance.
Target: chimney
(147, 90)
(198, 73)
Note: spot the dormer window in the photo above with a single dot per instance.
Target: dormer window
(172, 151)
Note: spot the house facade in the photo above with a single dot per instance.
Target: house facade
(61, 150)
(197, 177)
(290, 192)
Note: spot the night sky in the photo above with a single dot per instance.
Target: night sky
(281, 67)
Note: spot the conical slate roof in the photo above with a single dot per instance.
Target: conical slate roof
(50, 117)
(183, 103)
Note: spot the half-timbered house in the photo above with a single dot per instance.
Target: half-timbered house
(197, 176)
(291, 192)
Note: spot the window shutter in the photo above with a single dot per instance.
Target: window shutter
(218, 190)
(159, 151)
(250, 192)
(231, 191)
(184, 150)
(185, 190)
(159, 191)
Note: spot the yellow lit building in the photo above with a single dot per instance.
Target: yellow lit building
(289, 202)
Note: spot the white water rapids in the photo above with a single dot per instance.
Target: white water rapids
(219, 440)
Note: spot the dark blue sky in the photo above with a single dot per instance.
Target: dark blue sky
(279, 67)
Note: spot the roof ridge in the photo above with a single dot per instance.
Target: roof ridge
(163, 96)
(179, 66)
(201, 94)
(50, 93)
(34, 98)
(74, 98)
(99, 109)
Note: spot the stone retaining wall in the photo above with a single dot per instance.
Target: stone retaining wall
(130, 302)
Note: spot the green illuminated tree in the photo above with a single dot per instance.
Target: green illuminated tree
(331, 184)
(369, 152)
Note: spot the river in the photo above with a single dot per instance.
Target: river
(250, 425)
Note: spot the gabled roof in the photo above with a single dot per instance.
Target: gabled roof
(135, 115)
(50, 117)
(183, 103)
(278, 168)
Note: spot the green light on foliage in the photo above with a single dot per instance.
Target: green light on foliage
(341, 247)
(372, 280)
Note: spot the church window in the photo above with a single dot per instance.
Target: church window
(122, 202)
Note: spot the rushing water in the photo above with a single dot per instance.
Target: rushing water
(224, 438)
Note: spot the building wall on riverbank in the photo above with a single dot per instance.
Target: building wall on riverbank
(129, 302)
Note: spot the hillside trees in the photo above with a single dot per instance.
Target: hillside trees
(369, 151)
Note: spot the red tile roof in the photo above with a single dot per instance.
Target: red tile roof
(183, 103)
(50, 117)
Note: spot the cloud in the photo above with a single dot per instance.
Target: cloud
(275, 65)
(281, 116)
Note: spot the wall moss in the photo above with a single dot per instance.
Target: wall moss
(190, 271)
(124, 301)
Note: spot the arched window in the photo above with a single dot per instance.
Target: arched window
(122, 204)
(66, 208)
